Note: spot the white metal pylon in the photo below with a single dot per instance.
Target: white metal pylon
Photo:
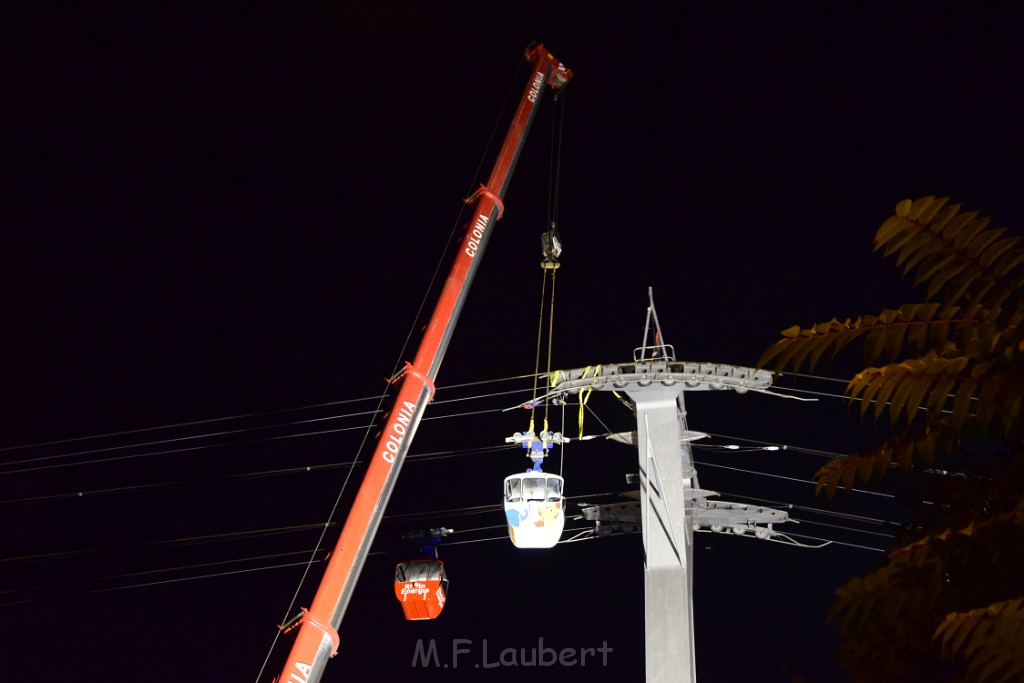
(671, 500)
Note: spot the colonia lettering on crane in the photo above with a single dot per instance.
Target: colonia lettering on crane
(394, 440)
(476, 234)
(538, 80)
(303, 673)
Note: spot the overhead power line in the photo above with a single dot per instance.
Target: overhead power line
(149, 447)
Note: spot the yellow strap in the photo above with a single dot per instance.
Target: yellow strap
(583, 399)
(585, 394)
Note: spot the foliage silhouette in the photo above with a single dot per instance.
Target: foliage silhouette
(947, 602)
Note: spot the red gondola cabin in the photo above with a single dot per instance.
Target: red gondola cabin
(422, 588)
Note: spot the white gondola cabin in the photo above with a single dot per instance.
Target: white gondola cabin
(534, 509)
(422, 588)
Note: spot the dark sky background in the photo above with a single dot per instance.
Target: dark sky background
(237, 212)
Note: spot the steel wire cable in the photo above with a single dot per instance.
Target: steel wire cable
(209, 435)
(476, 450)
(325, 404)
(279, 531)
(437, 455)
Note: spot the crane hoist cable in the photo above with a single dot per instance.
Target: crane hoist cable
(551, 249)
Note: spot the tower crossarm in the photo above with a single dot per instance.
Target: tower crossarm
(687, 376)
(719, 513)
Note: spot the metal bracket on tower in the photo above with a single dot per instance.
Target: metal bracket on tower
(721, 517)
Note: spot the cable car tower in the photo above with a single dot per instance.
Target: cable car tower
(672, 504)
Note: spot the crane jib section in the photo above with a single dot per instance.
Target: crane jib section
(317, 638)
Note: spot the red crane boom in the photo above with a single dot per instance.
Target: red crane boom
(317, 638)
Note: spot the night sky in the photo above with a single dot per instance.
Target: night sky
(238, 212)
